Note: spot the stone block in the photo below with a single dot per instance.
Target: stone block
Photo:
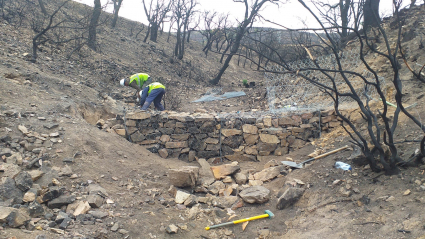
(241, 157)
(268, 174)
(270, 139)
(137, 137)
(185, 176)
(251, 150)
(166, 130)
(233, 141)
(255, 194)
(286, 121)
(289, 197)
(191, 156)
(211, 141)
(130, 123)
(251, 139)
(139, 115)
(267, 121)
(180, 137)
(163, 153)
(224, 170)
(334, 124)
(176, 145)
(249, 129)
(149, 141)
(212, 147)
(230, 132)
(208, 154)
(165, 138)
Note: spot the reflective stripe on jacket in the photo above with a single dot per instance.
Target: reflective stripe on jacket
(155, 85)
(140, 78)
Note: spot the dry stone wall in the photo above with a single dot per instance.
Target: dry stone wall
(186, 136)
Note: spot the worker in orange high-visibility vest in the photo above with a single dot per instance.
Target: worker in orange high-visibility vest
(136, 81)
(152, 93)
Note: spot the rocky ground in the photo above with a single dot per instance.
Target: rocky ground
(63, 177)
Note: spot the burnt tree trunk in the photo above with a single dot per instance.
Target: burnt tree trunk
(371, 14)
(117, 6)
(93, 24)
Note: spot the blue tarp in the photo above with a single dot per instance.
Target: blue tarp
(213, 97)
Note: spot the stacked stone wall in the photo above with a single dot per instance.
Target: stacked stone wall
(186, 136)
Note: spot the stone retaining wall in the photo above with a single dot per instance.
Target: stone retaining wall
(186, 136)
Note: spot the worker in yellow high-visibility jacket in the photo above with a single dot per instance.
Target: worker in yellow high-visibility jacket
(137, 81)
(152, 93)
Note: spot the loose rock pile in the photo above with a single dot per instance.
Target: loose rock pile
(226, 187)
(186, 136)
(33, 193)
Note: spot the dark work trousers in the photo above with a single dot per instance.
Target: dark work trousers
(155, 96)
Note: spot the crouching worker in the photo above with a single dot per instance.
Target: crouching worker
(152, 93)
(136, 81)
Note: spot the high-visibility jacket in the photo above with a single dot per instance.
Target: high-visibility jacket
(155, 85)
(140, 79)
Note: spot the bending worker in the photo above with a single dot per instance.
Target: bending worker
(153, 92)
(136, 81)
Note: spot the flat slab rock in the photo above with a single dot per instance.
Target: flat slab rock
(255, 194)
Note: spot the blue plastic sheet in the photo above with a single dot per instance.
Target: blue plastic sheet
(213, 97)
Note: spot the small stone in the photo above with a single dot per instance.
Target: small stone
(240, 178)
(23, 129)
(35, 174)
(68, 160)
(344, 192)
(95, 201)
(163, 153)
(123, 231)
(55, 182)
(115, 227)
(98, 214)
(29, 196)
(58, 231)
(227, 179)
(65, 223)
(65, 171)
(407, 192)
(172, 229)
(23, 181)
(6, 152)
(181, 197)
(60, 217)
(389, 199)
(82, 208)
(61, 201)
